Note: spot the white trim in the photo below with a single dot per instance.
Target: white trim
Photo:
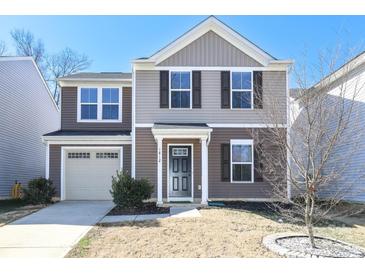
(133, 173)
(99, 104)
(103, 82)
(143, 125)
(171, 199)
(159, 171)
(241, 90)
(288, 138)
(47, 161)
(182, 133)
(270, 67)
(95, 79)
(204, 171)
(190, 90)
(86, 138)
(243, 142)
(212, 24)
(90, 142)
(63, 161)
(224, 125)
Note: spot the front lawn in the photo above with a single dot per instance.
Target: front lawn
(220, 232)
(13, 209)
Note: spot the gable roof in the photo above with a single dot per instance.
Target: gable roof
(342, 71)
(221, 29)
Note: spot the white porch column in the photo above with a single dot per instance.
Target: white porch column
(204, 156)
(159, 171)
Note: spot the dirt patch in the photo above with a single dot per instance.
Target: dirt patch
(148, 208)
(219, 232)
(12, 215)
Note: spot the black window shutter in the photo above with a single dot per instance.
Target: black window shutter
(225, 89)
(258, 165)
(197, 89)
(164, 89)
(226, 162)
(257, 89)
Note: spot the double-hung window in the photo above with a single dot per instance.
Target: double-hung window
(242, 90)
(110, 103)
(242, 167)
(99, 104)
(89, 103)
(180, 89)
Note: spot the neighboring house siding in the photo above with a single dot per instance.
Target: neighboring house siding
(55, 162)
(148, 101)
(27, 112)
(210, 50)
(349, 156)
(69, 112)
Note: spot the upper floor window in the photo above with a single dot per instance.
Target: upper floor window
(180, 89)
(242, 90)
(89, 103)
(242, 161)
(99, 104)
(110, 103)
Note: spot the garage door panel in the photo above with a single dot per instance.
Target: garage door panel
(90, 178)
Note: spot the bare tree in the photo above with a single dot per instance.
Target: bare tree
(64, 63)
(27, 45)
(3, 49)
(313, 153)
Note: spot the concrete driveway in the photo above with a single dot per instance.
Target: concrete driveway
(52, 231)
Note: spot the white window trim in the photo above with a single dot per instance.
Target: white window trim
(241, 90)
(190, 90)
(243, 142)
(100, 105)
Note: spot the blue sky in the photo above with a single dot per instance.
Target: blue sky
(112, 41)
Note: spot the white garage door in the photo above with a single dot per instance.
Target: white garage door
(88, 173)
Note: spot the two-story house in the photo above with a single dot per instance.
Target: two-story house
(184, 119)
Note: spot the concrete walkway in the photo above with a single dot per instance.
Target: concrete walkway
(175, 212)
(52, 231)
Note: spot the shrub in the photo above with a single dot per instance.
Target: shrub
(39, 191)
(128, 192)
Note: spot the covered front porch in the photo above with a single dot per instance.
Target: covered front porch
(182, 162)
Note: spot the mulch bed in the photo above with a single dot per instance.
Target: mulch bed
(148, 208)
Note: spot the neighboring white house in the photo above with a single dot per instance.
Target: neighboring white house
(345, 87)
(27, 111)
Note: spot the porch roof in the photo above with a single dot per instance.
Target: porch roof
(181, 130)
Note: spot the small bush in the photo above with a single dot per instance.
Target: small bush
(128, 192)
(39, 191)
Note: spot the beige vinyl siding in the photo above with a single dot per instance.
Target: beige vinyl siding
(69, 112)
(210, 50)
(27, 112)
(55, 162)
(148, 101)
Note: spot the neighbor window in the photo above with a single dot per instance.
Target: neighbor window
(242, 89)
(110, 103)
(89, 103)
(241, 161)
(180, 88)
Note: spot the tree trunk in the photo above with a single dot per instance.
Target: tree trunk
(309, 206)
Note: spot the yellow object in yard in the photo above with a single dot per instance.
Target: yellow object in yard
(16, 190)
